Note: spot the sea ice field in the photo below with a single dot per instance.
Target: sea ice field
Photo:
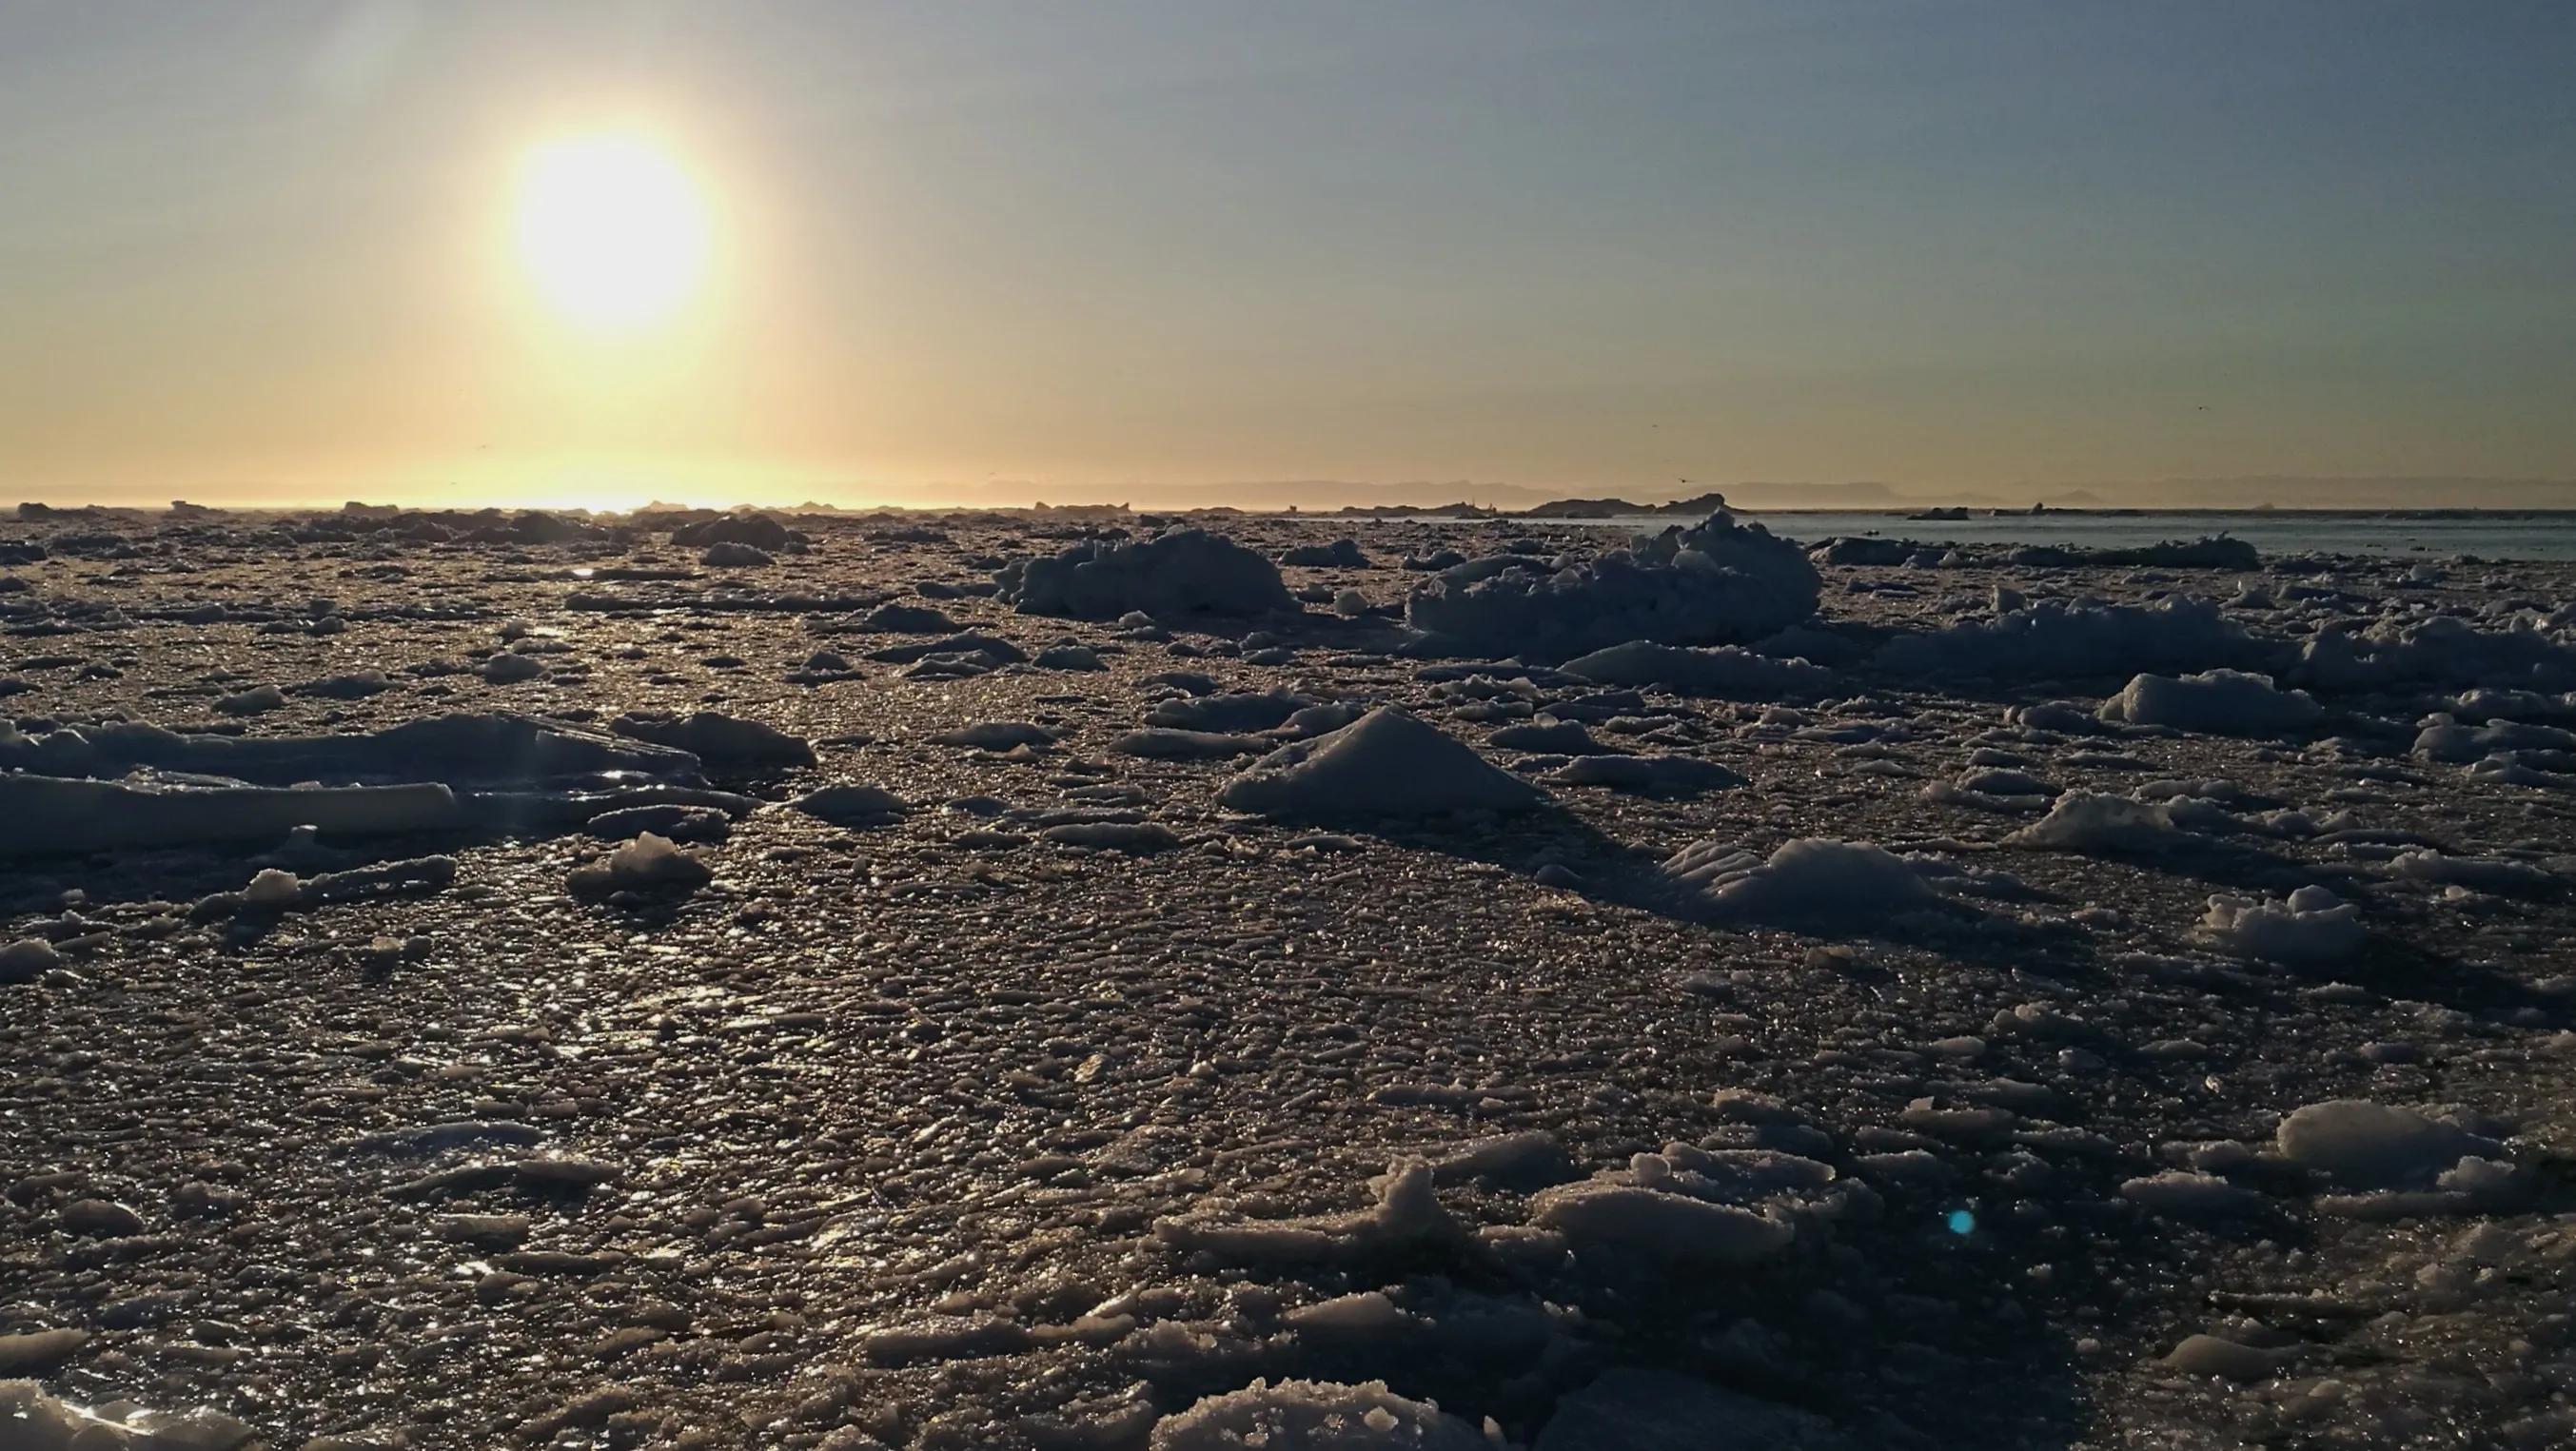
(1088, 981)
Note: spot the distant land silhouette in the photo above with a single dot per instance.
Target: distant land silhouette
(2388, 494)
(1328, 495)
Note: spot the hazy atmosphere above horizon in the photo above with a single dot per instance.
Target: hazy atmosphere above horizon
(598, 253)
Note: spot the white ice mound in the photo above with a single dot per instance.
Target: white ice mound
(1385, 764)
(1189, 572)
(2531, 651)
(1724, 671)
(2364, 1145)
(2086, 822)
(2445, 739)
(2485, 874)
(2215, 702)
(1716, 583)
(1813, 878)
(1693, 1205)
(1660, 1224)
(31, 1420)
(649, 863)
(2311, 926)
(1313, 1415)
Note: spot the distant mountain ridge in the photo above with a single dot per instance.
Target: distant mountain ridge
(2389, 493)
(1766, 495)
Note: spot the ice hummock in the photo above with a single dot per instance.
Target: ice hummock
(1810, 879)
(2310, 926)
(2219, 702)
(1660, 1224)
(1186, 572)
(2088, 822)
(1307, 1415)
(2359, 1144)
(1718, 582)
(649, 863)
(1388, 763)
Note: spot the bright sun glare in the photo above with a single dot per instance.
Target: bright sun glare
(612, 231)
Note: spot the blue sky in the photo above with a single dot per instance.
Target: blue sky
(252, 247)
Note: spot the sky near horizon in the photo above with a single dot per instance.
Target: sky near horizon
(279, 250)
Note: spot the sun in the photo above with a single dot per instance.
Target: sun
(612, 231)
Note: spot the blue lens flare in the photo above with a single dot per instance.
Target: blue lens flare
(1962, 1221)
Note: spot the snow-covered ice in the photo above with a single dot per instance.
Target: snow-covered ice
(1298, 1415)
(1188, 572)
(1717, 582)
(1387, 764)
(649, 863)
(2308, 927)
(1719, 989)
(2224, 702)
(1813, 879)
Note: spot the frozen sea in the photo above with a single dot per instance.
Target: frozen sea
(880, 996)
(2483, 535)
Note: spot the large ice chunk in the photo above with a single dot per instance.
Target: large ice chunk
(2364, 1145)
(1716, 583)
(2216, 702)
(1310, 1415)
(1188, 572)
(2311, 926)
